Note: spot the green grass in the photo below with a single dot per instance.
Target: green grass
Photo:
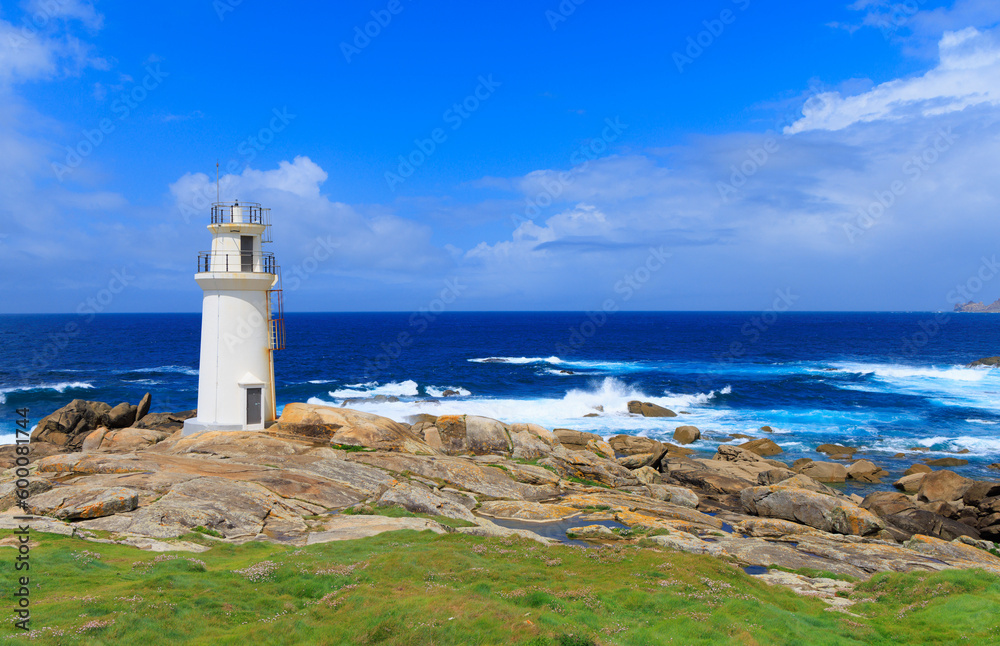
(208, 531)
(589, 483)
(406, 588)
(593, 509)
(535, 462)
(950, 607)
(350, 448)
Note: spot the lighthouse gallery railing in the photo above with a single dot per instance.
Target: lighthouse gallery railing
(261, 262)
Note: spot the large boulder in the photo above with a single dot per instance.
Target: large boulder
(910, 483)
(638, 460)
(824, 471)
(986, 361)
(947, 462)
(770, 527)
(887, 503)
(464, 434)
(632, 445)
(945, 486)
(168, 422)
(774, 476)
(866, 471)
(486, 436)
(421, 500)
(711, 481)
(821, 511)
(762, 447)
(730, 453)
(736, 462)
(143, 408)
(921, 521)
(673, 451)
(676, 495)
(837, 451)
(531, 441)
(349, 427)
(121, 415)
(686, 434)
(980, 491)
(574, 440)
(81, 502)
(428, 433)
(9, 491)
(601, 448)
(647, 475)
(68, 426)
(586, 465)
(542, 433)
(648, 409)
(800, 481)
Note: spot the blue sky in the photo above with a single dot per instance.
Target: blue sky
(668, 156)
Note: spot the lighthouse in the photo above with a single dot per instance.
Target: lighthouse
(241, 322)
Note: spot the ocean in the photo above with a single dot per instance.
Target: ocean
(884, 382)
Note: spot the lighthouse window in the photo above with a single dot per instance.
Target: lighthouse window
(254, 396)
(246, 253)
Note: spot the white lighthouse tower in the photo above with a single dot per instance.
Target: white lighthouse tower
(241, 322)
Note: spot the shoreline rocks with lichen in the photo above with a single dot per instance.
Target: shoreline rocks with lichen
(300, 481)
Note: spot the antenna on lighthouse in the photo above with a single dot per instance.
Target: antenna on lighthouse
(217, 199)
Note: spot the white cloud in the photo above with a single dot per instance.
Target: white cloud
(914, 17)
(86, 13)
(787, 223)
(783, 226)
(967, 74)
(29, 51)
(24, 57)
(369, 241)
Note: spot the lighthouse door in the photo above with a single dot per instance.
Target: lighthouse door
(254, 406)
(246, 253)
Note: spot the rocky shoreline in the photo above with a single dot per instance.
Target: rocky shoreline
(112, 474)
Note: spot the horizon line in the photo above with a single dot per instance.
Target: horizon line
(718, 311)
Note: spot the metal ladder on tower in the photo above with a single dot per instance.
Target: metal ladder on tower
(276, 320)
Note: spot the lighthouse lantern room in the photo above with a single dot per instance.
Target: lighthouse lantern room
(241, 322)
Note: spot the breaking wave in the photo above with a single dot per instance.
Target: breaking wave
(60, 387)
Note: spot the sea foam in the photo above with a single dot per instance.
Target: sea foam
(406, 388)
(60, 387)
(610, 394)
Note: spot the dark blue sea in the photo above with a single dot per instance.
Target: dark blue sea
(882, 381)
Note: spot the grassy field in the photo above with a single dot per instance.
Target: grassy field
(422, 588)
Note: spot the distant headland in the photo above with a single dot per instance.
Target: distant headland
(979, 308)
